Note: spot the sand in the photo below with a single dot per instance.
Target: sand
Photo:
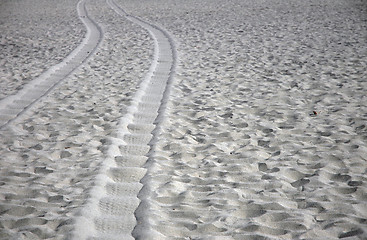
(31, 92)
(113, 200)
(259, 133)
(50, 156)
(34, 36)
(244, 156)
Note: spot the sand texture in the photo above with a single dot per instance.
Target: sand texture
(190, 119)
(114, 197)
(244, 156)
(12, 107)
(34, 36)
(50, 156)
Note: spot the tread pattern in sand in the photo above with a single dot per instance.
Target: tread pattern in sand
(15, 105)
(114, 199)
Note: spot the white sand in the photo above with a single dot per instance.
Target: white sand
(13, 106)
(237, 154)
(50, 156)
(110, 210)
(241, 156)
(33, 37)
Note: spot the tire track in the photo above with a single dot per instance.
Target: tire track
(12, 107)
(111, 211)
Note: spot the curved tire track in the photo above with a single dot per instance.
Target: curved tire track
(12, 107)
(111, 210)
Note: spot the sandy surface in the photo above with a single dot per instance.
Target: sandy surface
(50, 157)
(33, 37)
(264, 136)
(244, 156)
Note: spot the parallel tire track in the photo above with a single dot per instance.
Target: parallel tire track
(12, 107)
(113, 203)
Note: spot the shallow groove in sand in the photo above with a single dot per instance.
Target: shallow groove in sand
(14, 106)
(114, 209)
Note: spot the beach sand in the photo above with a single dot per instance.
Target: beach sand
(34, 36)
(244, 156)
(50, 155)
(261, 134)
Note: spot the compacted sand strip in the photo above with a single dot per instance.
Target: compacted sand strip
(13, 106)
(110, 211)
